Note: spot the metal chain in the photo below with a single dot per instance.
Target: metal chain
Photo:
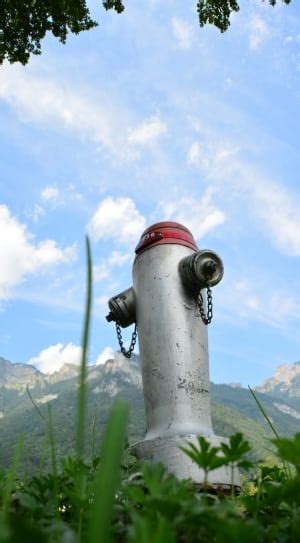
(120, 339)
(206, 318)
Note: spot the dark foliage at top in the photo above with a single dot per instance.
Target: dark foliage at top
(23, 24)
(217, 12)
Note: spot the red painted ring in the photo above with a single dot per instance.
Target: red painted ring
(165, 233)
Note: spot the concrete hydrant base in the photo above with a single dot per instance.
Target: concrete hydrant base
(167, 451)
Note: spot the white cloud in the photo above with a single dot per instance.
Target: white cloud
(101, 272)
(101, 302)
(107, 354)
(47, 254)
(54, 196)
(280, 212)
(40, 99)
(294, 38)
(277, 208)
(105, 269)
(182, 32)
(205, 155)
(35, 213)
(73, 193)
(199, 215)
(20, 255)
(254, 301)
(198, 155)
(52, 358)
(247, 298)
(118, 259)
(50, 193)
(148, 131)
(259, 31)
(118, 219)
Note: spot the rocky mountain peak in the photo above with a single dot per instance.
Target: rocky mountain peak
(67, 371)
(285, 373)
(18, 375)
(130, 368)
(286, 380)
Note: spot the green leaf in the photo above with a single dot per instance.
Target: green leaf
(236, 450)
(11, 477)
(148, 530)
(205, 455)
(289, 450)
(216, 12)
(117, 5)
(108, 474)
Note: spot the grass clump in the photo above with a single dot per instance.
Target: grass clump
(123, 500)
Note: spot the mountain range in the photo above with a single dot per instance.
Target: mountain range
(233, 407)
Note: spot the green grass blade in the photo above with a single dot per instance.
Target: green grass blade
(53, 459)
(108, 474)
(264, 413)
(52, 443)
(267, 418)
(93, 446)
(34, 403)
(12, 473)
(43, 455)
(80, 438)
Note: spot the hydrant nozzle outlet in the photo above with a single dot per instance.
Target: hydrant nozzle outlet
(201, 269)
(209, 268)
(122, 308)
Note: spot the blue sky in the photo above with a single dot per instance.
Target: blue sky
(147, 118)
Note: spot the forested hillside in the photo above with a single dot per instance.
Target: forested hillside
(233, 409)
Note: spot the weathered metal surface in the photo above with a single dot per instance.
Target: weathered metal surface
(173, 346)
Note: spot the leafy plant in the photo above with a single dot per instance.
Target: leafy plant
(289, 451)
(107, 476)
(205, 456)
(234, 454)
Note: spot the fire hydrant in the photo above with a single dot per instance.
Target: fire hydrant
(167, 305)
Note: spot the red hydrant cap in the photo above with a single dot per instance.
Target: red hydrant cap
(165, 232)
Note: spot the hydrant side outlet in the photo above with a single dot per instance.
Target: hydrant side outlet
(122, 308)
(201, 270)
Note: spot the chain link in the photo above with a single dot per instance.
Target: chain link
(206, 318)
(120, 340)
